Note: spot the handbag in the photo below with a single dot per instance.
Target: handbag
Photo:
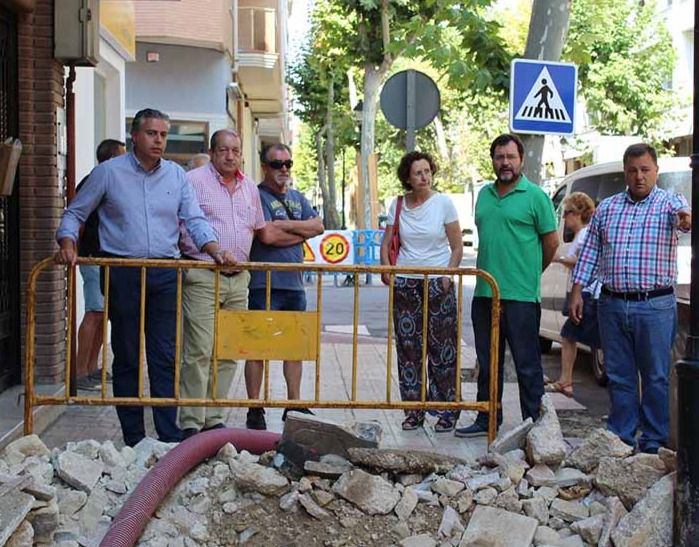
(394, 247)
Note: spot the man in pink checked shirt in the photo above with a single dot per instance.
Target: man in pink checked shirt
(231, 203)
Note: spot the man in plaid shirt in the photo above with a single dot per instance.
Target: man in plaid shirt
(231, 203)
(631, 247)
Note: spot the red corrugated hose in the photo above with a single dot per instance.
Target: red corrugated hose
(128, 525)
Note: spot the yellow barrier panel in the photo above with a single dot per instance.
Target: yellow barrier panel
(266, 335)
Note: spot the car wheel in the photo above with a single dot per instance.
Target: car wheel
(545, 344)
(598, 368)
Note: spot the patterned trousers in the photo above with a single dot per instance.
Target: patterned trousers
(441, 342)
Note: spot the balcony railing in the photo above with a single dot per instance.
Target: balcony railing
(257, 30)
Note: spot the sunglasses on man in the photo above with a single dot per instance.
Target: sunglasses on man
(278, 164)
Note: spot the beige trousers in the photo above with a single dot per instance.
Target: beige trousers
(198, 342)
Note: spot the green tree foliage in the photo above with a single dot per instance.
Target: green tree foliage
(625, 60)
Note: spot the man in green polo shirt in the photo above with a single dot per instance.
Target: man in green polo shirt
(518, 239)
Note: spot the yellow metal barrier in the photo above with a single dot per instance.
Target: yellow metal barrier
(264, 335)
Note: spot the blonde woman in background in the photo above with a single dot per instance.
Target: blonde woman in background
(578, 209)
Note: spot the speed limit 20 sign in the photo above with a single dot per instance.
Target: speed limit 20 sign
(332, 247)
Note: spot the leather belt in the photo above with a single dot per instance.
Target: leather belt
(639, 295)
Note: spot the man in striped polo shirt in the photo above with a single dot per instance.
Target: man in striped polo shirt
(231, 203)
(631, 247)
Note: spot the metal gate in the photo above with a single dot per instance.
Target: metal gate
(9, 208)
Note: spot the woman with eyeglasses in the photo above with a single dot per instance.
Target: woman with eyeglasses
(578, 209)
(428, 225)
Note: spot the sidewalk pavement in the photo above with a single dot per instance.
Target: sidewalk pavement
(77, 422)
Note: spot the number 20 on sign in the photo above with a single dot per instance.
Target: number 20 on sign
(334, 248)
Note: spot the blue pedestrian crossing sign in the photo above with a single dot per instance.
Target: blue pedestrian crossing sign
(542, 97)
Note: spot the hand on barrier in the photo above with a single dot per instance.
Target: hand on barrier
(66, 254)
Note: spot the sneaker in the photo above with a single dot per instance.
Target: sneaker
(97, 376)
(256, 419)
(189, 432)
(473, 430)
(87, 384)
(301, 410)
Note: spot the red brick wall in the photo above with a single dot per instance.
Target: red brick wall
(40, 193)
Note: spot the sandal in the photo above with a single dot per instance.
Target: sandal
(566, 388)
(444, 425)
(411, 423)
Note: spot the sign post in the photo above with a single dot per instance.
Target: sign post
(542, 97)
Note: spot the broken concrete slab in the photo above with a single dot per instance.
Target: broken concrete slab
(326, 470)
(597, 445)
(14, 507)
(650, 521)
(545, 442)
(78, 471)
(589, 529)
(372, 494)
(537, 508)
(629, 478)
(512, 439)
(568, 511)
(257, 478)
(541, 475)
(312, 508)
(498, 528)
(403, 461)
(407, 504)
(447, 487)
(324, 436)
(616, 511)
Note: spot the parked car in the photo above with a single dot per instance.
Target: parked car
(599, 182)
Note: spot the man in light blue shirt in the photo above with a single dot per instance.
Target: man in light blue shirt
(140, 200)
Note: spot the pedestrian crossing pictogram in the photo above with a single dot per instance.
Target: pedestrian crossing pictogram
(543, 101)
(542, 97)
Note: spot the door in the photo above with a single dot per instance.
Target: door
(9, 209)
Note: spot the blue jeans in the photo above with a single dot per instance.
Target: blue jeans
(637, 339)
(519, 325)
(160, 322)
(280, 300)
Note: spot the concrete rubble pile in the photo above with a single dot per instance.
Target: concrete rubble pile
(532, 488)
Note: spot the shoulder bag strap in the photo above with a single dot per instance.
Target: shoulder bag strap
(281, 200)
(396, 222)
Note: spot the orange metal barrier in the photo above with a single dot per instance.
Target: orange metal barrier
(296, 336)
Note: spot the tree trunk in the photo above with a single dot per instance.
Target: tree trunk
(330, 204)
(373, 77)
(321, 171)
(549, 20)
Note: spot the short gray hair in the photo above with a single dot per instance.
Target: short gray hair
(148, 113)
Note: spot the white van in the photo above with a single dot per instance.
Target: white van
(599, 182)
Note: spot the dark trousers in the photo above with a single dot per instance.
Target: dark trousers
(519, 325)
(160, 326)
(408, 303)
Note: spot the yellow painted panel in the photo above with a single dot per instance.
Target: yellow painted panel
(259, 334)
(119, 18)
